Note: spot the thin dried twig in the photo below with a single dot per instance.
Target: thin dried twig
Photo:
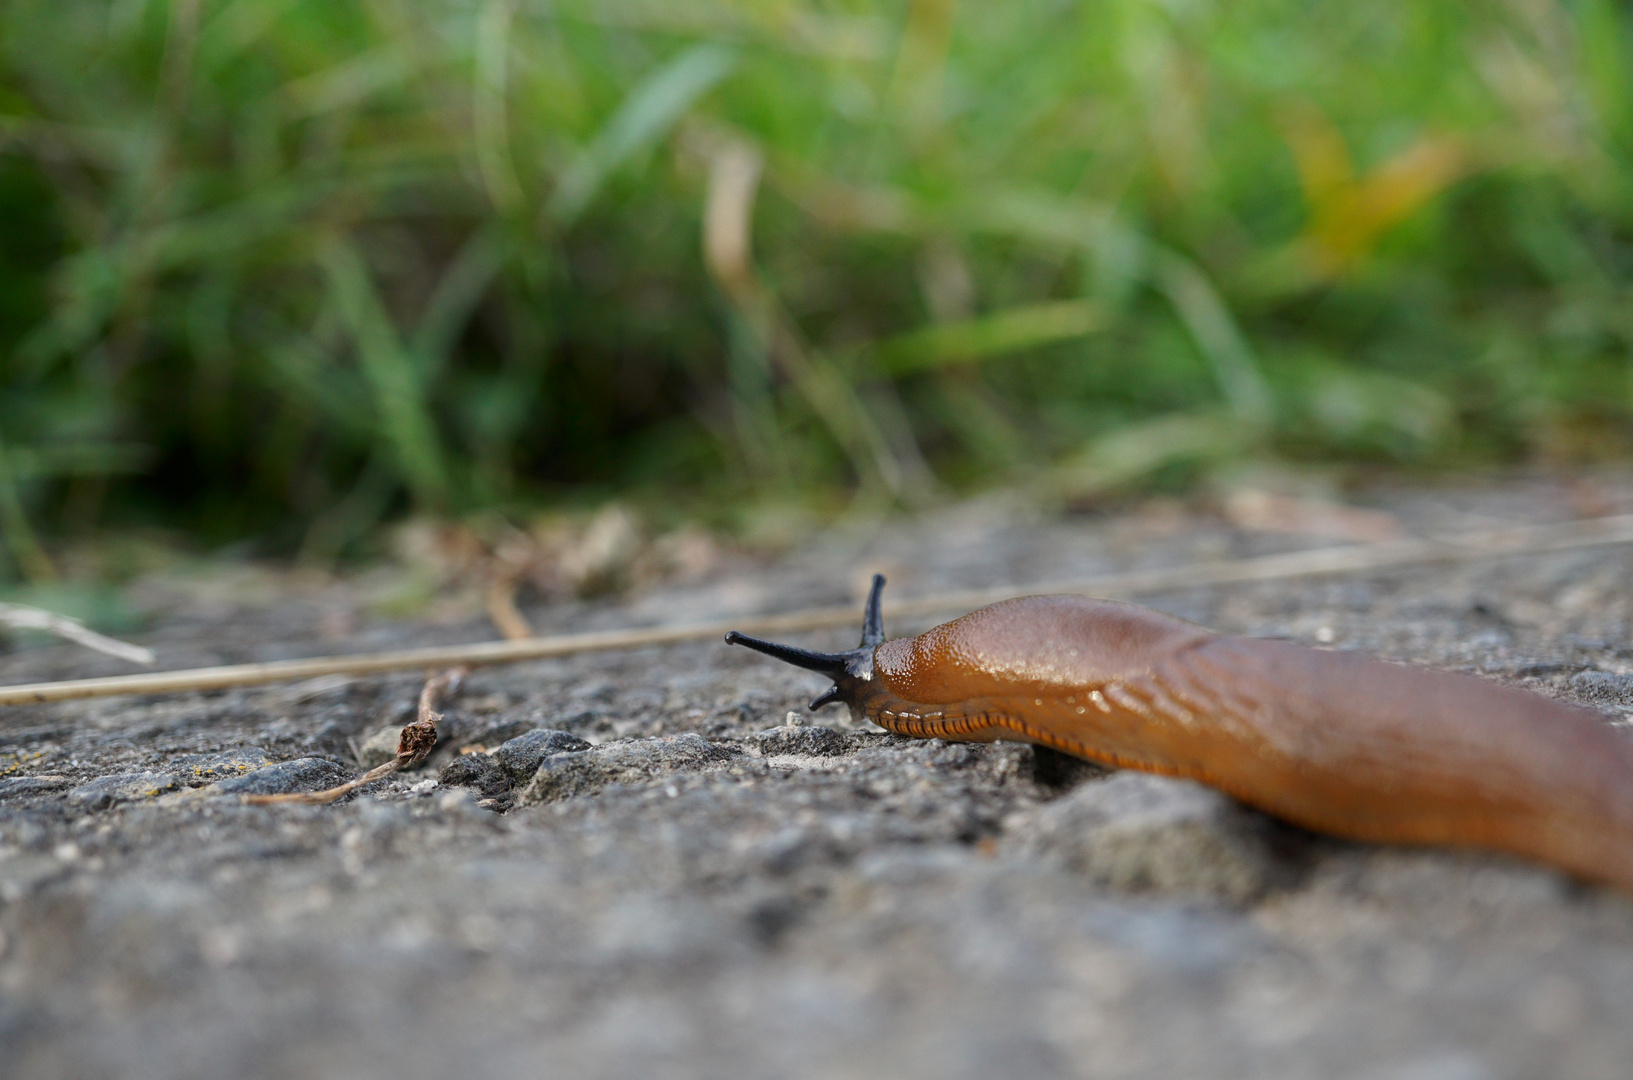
(1522, 540)
(413, 744)
(23, 617)
(502, 608)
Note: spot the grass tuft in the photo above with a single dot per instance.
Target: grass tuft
(285, 269)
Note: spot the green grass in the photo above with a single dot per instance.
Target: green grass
(285, 269)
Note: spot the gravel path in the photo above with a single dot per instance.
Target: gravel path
(633, 865)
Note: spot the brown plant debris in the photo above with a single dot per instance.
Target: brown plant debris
(413, 745)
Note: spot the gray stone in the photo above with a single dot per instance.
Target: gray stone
(799, 739)
(520, 757)
(479, 771)
(18, 786)
(196, 770)
(22, 875)
(562, 776)
(380, 746)
(105, 791)
(302, 774)
(1602, 688)
(1139, 832)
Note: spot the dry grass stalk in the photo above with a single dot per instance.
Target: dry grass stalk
(24, 617)
(1520, 540)
(502, 610)
(413, 745)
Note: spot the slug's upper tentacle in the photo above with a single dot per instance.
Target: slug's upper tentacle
(846, 669)
(873, 619)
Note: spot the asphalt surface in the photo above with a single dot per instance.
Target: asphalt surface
(632, 864)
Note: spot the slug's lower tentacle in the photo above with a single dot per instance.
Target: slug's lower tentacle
(832, 665)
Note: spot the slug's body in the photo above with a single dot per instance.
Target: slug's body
(1336, 742)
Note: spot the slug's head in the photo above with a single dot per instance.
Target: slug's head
(852, 671)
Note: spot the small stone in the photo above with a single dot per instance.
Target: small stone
(1603, 687)
(105, 791)
(456, 801)
(196, 770)
(17, 786)
(22, 875)
(499, 732)
(585, 772)
(1138, 832)
(380, 747)
(520, 757)
(479, 771)
(810, 741)
(301, 774)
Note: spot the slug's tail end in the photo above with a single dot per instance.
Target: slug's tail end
(843, 668)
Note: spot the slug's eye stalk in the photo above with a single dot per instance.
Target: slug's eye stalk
(835, 665)
(873, 619)
(846, 669)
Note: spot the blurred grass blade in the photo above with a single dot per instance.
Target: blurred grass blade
(491, 127)
(1131, 454)
(1216, 335)
(1010, 330)
(80, 458)
(235, 27)
(352, 517)
(456, 297)
(350, 83)
(399, 393)
(771, 336)
(296, 366)
(1350, 215)
(1048, 219)
(649, 111)
(1605, 59)
(24, 546)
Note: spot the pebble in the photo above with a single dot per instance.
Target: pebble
(301, 774)
(479, 771)
(13, 786)
(21, 876)
(196, 770)
(799, 739)
(1603, 687)
(520, 757)
(584, 772)
(380, 747)
(106, 791)
(1142, 833)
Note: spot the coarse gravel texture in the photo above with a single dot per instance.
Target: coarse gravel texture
(634, 864)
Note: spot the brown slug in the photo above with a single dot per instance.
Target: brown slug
(1336, 742)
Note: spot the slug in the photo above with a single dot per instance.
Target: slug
(1336, 742)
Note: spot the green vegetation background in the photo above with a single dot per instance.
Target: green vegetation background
(286, 268)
